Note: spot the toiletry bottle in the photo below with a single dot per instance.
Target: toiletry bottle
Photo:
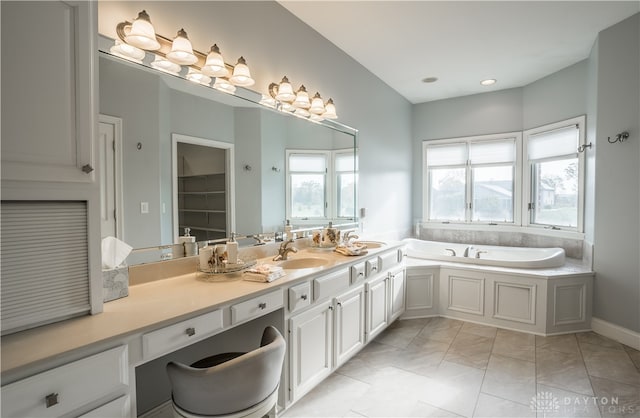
(189, 243)
(232, 250)
(287, 231)
(206, 253)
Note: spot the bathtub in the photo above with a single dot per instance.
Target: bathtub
(489, 255)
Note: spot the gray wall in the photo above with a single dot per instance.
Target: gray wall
(617, 183)
(382, 116)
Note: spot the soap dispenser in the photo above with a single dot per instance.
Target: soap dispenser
(189, 243)
(232, 250)
(287, 231)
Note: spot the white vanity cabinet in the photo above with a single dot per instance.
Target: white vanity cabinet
(49, 96)
(422, 292)
(377, 317)
(397, 286)
(349, 323)
(90, 386)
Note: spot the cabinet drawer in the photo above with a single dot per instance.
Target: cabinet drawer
(357, 272)
(329, 285)
(388, 260)
(256, 307)
(299, 296)
(181, 334)
(372, 267)
(69, 387)
(118, 408)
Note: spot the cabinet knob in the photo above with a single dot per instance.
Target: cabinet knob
(374, 268)
(51, 400)
(262, 305)
(190, 331)
(87, 168)
(304, 297)
(361, 274)
(330, 308)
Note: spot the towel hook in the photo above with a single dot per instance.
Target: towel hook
(621, 137)
(583, 147)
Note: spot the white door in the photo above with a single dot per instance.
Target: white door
(311, 348)
(377, 312)
(396, 286)
(109, 162)
(349, 324)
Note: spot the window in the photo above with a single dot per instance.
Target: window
(321, 185)
(553, 175)
(471, 179)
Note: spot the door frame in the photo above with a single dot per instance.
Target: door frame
(116, 122)
(229, 178)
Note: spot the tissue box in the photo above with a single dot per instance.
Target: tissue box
(115, 283)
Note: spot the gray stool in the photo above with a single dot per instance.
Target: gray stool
(230, 384)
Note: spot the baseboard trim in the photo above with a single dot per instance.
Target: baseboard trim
(616, 332)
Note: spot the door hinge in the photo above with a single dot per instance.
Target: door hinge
(531, 206)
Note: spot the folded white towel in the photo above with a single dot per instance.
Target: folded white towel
(351, 249)
(265, 273)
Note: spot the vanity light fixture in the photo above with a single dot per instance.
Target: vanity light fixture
(302, 98)
(488, 82)
(303, 113)
(214, 65)
(181, 50)
(268, 101)
(316, 118)
(163, 64)
(284, 91)
(223, 84)
(197, 77)
(241, 75)
(142, 34)
(317, 106)
(330, 110)
(128, 52)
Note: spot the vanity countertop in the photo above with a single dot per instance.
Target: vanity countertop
(150, 306)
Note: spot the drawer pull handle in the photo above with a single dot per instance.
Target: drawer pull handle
(262, 305)
(190, 331)
(361, 274)
(330, 308)
(374, 268)
(304, 297)
(51, 400)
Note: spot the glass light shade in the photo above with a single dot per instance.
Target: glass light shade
(241, 75)
(268, 101)
(316, 118)
(330, 110)
(165, 65)
(285, 91)
(142, 34)
(214, 65)
(303, 113)
(197, 77)
(128, 52)
(181, 50)
(287, 107)
(302, 98)
(224, 85)
(317, 106)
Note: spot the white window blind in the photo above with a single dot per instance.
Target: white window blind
(44, 256)
(558, 142)
(450, 154)
(345, 162)
(308, 163)
(489, 152)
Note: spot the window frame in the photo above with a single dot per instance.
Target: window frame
(527, 185)
(516, 137)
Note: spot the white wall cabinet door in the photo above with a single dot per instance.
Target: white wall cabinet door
(377, 317)
(311, 348)
(396, 294)
(49, 92)
(349, 331)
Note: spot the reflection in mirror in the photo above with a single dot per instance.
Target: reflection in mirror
(151, 107)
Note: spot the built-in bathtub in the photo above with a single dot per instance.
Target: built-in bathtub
(489, 255)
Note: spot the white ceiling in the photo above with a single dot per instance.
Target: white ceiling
(461, 42)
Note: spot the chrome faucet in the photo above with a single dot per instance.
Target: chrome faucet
(284, 250)
(480, 252)
(259, 240)
(453, 252)
(348, 236)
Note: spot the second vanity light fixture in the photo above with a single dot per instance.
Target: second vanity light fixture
(171, 55)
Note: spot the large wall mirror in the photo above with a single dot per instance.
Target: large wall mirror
(150, 114)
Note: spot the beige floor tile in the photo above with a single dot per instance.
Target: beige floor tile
(470, 350)
(440, 329)
(616, 399)
(610, 363)
(566, 343)
(410, 323)
(399, 337)
(480, 330)
(419, 361)
(425, 410)
(562, 370)
(634, 355)
(515, 344)
(597, 339)
(492, 407)
(425, 342)
(558, 403)
(510, 378)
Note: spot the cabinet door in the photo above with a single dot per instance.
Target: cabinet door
(349, 324)
(377, 317)
(396, 287)
(421, 288)
(49, 112)
(311, 347)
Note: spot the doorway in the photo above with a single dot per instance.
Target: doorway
(109, 146)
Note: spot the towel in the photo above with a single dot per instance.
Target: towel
(265, 273)
(355, 249)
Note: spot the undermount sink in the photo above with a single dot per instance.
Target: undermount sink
(371, 244)
(303, 263)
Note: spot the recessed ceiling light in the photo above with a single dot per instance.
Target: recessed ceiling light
(430, 80)
(488, 82)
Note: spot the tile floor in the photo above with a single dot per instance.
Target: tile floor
(438, 367)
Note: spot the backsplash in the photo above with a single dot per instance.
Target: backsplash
(574, 248)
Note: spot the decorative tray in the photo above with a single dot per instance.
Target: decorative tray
(229, 268)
